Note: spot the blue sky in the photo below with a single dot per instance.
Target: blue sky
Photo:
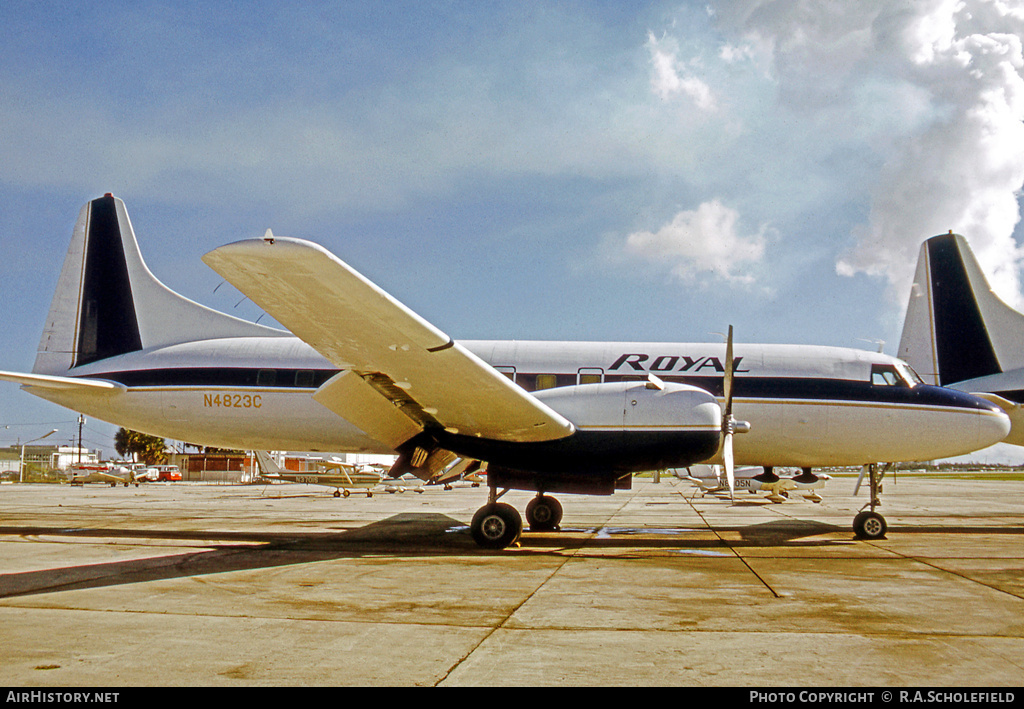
(548, 170)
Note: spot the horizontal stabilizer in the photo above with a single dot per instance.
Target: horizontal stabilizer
(1003, 403)
(45, 381)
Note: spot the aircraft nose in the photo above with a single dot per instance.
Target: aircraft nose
(963, 423)
(993, 425)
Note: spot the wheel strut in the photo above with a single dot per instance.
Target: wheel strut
(869, 524)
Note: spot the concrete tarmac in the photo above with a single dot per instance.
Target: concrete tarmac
(220, 585)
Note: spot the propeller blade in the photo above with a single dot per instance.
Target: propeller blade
(727, 419)
(730, 474)
(727, 380)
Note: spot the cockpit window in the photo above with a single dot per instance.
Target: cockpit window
(888, 375)
(909, 374)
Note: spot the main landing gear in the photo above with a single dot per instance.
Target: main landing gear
(543, 513)
(497, 525)
(868, 524)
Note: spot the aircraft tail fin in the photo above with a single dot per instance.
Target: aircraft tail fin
(268, 466)
(108, 303)
(956, 329)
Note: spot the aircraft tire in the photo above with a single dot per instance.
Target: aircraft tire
(543, 513)
(496, 526)
(869, 525)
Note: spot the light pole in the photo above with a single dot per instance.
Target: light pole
(21, 467)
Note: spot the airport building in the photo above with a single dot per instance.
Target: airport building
(218, 467)
(242, 468)
(52, 463)
(42, 461)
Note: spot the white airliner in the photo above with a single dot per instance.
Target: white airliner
(959, 334)
(358, 371)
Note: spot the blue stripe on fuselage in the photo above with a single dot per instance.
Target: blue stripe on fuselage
(746, 387)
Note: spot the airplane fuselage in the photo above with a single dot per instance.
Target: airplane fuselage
(807, 406)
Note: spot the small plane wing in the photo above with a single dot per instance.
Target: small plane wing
(409, 375)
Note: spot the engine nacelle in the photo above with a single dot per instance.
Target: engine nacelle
(636, 407)
(621, 428)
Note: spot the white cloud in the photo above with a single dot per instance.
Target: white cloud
(964, 170)
(667, 82)
(931, 94)
(699, 241)
(732, 54)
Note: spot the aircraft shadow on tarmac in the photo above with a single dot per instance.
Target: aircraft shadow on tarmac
(405, 535)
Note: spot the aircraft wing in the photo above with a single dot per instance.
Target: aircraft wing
(408, 374)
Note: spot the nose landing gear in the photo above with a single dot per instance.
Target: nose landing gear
(868, 524)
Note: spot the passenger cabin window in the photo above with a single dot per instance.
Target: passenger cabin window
(304, 378)
(509, 372)
(266, 378)
(546, 381)
(590, 375)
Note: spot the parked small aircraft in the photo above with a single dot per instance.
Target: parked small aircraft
(358, 371)
(406, 482)
(112, 474)
(710, 479)
(343, 477)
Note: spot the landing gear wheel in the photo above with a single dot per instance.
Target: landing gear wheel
(543, 513)
(496, 526)
(869, 525)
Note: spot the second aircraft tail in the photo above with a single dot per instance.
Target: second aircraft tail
(956, 329)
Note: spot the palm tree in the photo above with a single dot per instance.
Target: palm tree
(148, 449)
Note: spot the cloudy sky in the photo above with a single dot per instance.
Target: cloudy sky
(548, 170)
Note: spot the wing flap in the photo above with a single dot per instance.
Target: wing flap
(348, 395)
(410, 363)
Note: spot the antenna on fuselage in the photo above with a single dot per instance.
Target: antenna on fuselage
(880, 343)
